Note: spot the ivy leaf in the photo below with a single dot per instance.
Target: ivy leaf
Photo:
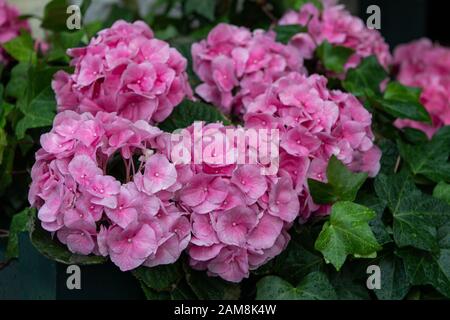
(211, 288)
(315, 286)
(182, 292)
(297, 261)
(151, 294)
(442, 191)
(343, 185)
(188, 112)
(379, 229)
(424, 268)
(21, 48)
(403, 102)
(19, 223)
(333, 58)
(430, 158)
(366, 78)
(286, 32)
(204, 8)
(347, 233)
(160, 278)
(39, 113)
(394, 282)
(416, 215)
(42, 240)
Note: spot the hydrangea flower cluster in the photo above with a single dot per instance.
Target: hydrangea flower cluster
(338, 27)
(124, 70)
(10, 26)
(236, 64)
(427, 66)
(134, 222)
(239, 217)
(315, 123)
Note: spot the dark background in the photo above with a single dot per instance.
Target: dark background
(406, 20)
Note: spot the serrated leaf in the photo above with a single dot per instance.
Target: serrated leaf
(416, 215)
(188, 112)
(347, 233)
(430, 158)
(39, 113)
(51, 248)
(19, 75)
(315, 286)
(21, 48)
(286, 32)
(160, 278)
(19, 223)
(424, 268)
(211, 288)
(343, 185)
(366, 78)
(402, 102)
(333, 58)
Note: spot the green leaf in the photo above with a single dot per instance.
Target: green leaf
(3, 143)
(55, 15)
(188, 112)
(333, 58)
(350, 283)
(442, 191)
(343, 185)
(19, 76)
(151, 294)
(21, 48)
(286, 32)
(182, 291)
(416, 215)
(315, 286)
(379, 229)
(51, 248)
(366, 78)
(204, 8)
(19, 223)
(39, 113)
(402, 102)
(210, 288)
(424, 268)
(394, 283)
(347, 233)
(390, 156)
(297, 4)
(430, 158)
(160, 278)
(297, 261)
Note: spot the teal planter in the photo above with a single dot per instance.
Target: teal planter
(35, 277)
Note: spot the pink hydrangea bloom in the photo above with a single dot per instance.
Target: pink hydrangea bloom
(10, 26)
(92, 212)
(338, 27)
(236, 64)
(239, 217)
(427, 66)
(315, 123)
(124, 70)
